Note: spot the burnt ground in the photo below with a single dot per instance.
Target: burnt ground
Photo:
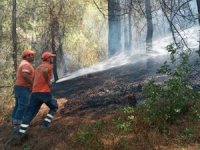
(123, 74)
(106, 91)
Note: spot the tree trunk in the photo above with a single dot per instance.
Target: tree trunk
(149, 25)
(62, 65)
(114, 22)
(53, 27)
(127, 25)
(126, 32)
(1, 23)
(198, 6)
(130, 25)
(14, 36)
(33, 38)
(1, 31)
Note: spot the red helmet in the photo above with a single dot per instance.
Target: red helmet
(46, 55)
(28, 52)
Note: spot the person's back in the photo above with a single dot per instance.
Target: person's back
(22, 88)
(41, 84)
(24, 67)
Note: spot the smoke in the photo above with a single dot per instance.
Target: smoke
(159, 50)
(162, 37)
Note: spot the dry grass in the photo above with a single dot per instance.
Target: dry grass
(6, 104)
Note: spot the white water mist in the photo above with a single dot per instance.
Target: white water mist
(159, 49)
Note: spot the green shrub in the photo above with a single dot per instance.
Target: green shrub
(85, 135)
(100, 124)
(88, 138)
(188, 133)
(195, 110)
(26, 147)
(166, 102)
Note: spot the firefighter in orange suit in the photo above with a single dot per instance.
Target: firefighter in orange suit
(22, 88)
(41, 93)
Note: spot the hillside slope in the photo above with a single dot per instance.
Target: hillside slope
(99, 97)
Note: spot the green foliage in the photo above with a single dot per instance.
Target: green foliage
(188, 133)
(128, 109)
(84, 136)
(124, 126)
(166, 102)
(124, 123)
(100, 125)
(26, 147)
(195, 110)
(89, 138)
(79, 31)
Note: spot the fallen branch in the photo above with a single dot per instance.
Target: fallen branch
(5, 86)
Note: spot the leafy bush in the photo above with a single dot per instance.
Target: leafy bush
(166, 102)
(195, 111)
(188, 133)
